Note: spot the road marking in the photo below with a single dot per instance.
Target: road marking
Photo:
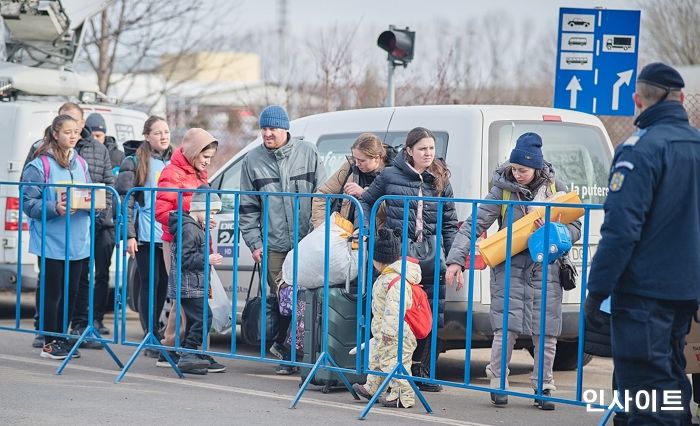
(231, 389)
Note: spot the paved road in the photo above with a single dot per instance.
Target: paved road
(248, 393)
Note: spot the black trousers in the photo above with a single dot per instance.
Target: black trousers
(160, 284)
(54, 294)
(104, 246)
(648, 337)
(194, 312)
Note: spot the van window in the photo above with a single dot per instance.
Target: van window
(334, 149)
(229, 180)
(579, 153)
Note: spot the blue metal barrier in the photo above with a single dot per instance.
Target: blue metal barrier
(324, 361)
(398, 372)
(89, 333)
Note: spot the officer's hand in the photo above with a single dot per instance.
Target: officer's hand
(591, 311)
(257, 255)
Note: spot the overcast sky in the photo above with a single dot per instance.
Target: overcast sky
(381, 13)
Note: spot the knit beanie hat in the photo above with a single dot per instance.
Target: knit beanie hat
(387, 246)
(96, 123)
(528, 151)
(274, 117)
(198, 203)
(194, 141)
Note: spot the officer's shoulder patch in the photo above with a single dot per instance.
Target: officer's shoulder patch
(616, 181)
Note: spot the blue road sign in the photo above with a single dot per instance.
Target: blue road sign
(597, 53)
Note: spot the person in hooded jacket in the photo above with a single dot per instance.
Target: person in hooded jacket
(187, 169)
(369, 157)
(58, 157)
(528, 177)
(143, 166)
(416, 172)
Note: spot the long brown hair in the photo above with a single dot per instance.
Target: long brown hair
(51, 143)
(438, 168)
(144, 151)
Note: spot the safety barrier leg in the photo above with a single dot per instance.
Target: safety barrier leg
(606, 416)
(150, 339)
(90, 330)
(321, 362)
(399, 369)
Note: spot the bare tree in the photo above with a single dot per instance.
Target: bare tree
(672, 30)
(132, 36)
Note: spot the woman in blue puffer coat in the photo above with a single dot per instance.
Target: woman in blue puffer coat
(417, 172)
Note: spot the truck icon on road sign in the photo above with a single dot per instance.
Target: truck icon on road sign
(624, 43)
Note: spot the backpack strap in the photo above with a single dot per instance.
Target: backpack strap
(47, 167)
(507, 194)
(395, 280)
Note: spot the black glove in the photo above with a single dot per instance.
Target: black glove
(591, 310)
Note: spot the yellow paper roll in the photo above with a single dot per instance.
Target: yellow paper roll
(493, 248)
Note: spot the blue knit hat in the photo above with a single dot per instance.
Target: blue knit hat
(528, 151)
(274, 117)
(661, 75)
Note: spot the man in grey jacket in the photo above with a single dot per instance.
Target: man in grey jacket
(280, 164)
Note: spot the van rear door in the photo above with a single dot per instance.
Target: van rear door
(580, 153)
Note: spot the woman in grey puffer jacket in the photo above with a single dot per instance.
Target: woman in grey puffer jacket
(527, 177)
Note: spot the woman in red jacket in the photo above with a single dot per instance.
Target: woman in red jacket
(187, 169)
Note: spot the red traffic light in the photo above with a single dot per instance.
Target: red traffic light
(398, 44)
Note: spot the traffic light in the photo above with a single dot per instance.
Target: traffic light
(398, 44)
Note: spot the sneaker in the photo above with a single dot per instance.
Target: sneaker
(163, 362)
(542, 404)
(286, 370)
(189, 361)
(499, 400)
(279, 351)
(85, 344)
(362, 391)
(391, 404)
(100, 327)
(38, 341)
(213, 367)
(54, 350)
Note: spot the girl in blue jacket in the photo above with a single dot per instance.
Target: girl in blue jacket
(56, 161)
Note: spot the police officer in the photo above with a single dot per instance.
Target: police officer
(649, 256)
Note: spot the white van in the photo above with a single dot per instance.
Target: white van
(23, 122)
(473, 139)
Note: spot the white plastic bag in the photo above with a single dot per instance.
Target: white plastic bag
(219, 304)
(342, 261)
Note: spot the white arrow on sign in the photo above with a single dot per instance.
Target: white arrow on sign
(573, 87)
(625, 78)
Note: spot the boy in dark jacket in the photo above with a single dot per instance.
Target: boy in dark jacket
(191, 274)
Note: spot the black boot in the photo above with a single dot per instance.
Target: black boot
(418, 370)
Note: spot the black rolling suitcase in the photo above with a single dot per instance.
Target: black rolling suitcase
(342, 318)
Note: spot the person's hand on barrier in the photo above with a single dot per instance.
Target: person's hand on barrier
(351, 188)
(132, 247)
(215, 259)
(257, 255)
(454, 271)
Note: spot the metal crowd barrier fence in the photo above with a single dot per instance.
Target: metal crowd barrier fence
(399, 372)
(324, 360)
(90, 333)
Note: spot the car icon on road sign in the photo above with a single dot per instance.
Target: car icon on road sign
(578, 22)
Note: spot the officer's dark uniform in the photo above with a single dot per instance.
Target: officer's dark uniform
(649, 254)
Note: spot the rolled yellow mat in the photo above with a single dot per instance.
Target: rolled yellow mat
(493, 248)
